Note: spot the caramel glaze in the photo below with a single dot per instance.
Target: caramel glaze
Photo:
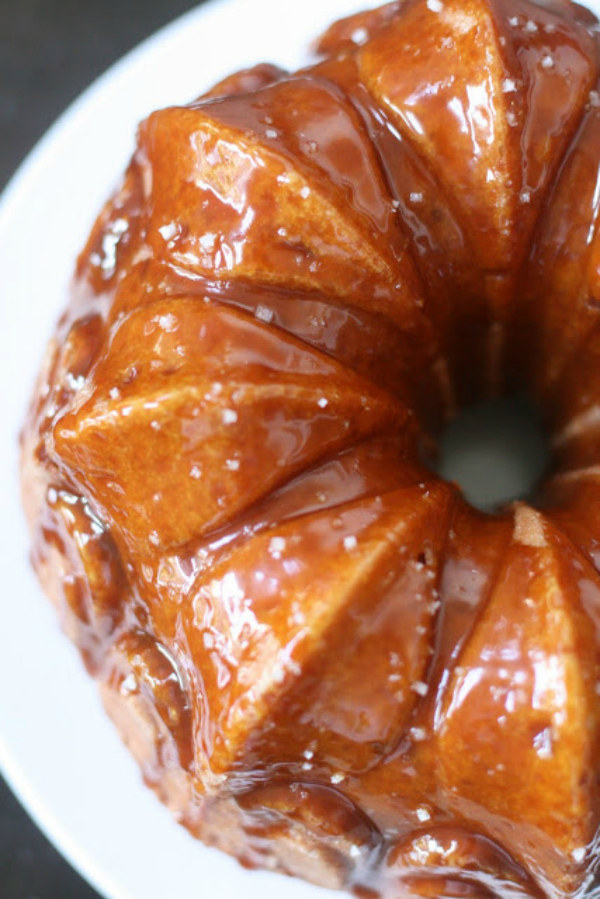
(324, 661)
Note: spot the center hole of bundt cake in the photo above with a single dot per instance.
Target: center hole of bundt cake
(495, 450)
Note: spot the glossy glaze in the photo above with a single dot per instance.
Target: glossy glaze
(325, 661)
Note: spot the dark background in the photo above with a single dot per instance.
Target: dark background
(50, 50)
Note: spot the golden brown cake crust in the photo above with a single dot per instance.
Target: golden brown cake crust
(325, 662)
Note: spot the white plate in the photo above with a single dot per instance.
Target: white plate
(57, 749)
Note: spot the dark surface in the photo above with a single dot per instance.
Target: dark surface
(50, 50)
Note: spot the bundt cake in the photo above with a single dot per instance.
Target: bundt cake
(324, 660)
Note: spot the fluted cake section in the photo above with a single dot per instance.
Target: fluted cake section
(324, 660)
